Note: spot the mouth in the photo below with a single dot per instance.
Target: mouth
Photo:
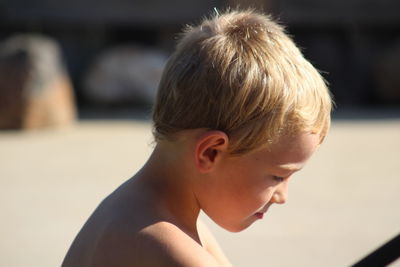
(265, 209)
(259, 215)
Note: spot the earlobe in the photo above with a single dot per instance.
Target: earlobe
(209, 149)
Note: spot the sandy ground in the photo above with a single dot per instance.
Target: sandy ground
(344, 204)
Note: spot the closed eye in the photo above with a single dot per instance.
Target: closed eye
(278, 179)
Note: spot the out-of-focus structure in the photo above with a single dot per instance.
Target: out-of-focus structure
(355, 43)
(35, 90)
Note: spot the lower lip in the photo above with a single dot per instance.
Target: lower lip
(259, 215)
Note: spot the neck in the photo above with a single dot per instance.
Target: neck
(167, 180)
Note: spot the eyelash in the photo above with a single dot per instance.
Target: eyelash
(278, 179)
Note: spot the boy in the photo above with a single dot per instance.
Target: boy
(238, 111)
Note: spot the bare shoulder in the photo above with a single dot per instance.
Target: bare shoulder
(159, 244)
(211, 245)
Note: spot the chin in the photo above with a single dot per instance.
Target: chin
(235, 228)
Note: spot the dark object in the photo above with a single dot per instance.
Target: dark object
(148, 12)
(383, 256)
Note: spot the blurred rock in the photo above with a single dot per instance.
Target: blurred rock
(387, 75)
(35, 90)
(125, 75)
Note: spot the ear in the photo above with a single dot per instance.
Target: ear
(209, 149)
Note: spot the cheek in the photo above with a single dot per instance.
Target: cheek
(264, 191)
(257, 193)
(247, 180)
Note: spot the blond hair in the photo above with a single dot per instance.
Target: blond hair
(240, 73)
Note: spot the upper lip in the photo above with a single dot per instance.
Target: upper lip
(265, 209)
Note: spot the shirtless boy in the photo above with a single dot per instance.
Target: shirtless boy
(239, 111)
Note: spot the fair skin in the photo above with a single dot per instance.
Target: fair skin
(152, 219)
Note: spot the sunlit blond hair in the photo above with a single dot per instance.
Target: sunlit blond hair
(239, 72)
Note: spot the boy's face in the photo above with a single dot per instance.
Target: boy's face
(242, 188)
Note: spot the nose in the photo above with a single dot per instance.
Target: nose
(281, 193)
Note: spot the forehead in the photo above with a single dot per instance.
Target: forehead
(290, 153)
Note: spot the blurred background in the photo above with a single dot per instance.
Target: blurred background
(77, 82)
